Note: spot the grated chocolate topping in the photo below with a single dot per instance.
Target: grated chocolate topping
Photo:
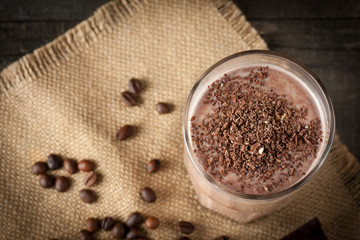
(253, 133)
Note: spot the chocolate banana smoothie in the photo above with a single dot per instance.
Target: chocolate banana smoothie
(255, 131)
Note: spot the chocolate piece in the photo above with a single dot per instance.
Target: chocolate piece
(310, 230)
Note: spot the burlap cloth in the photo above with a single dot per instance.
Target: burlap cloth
(65, 98)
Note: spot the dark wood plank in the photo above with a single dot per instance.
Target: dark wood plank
(20, 10)
(299, 9)
(319, 34)
(6, 60)
(324, 58)
(24, 37)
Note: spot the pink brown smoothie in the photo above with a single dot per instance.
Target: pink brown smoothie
(256, 130)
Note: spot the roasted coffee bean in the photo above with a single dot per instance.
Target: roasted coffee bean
(90, 179)
(222, 238)
(62, 184)
(185, 227)
(86, 165)
(134, 86)
(54, 161)
(153, 166)
(46, 181)
(39, 168)
(148, 195)
(152, 222)
(92, 224)
(107, 223)
(184, 238)
(87, 196)
(85, 235)
(134, 219)
(124, 132)
(70, 166)
(128, 98)
(162, 108)
(119, 230)
(134, 233)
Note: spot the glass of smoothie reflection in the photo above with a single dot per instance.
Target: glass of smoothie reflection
(257, 126)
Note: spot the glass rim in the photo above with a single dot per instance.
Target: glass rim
(298, 184)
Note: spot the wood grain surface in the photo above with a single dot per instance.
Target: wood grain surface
(325, 35)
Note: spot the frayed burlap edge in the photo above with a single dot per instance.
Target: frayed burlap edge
(32, 66)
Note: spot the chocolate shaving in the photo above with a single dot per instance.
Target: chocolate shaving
(252, 132)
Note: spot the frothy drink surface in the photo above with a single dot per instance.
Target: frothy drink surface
(257, 130)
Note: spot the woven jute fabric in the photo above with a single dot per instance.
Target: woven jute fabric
(65, 98)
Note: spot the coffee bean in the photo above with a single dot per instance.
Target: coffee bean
(54, 161)
(39, 168)
(62, 184)
(134, 86)
(86, 165)
(134, 233)
(134, 219)
(148, 195)
(85, 235)
(87, 196)
(222, 238)
(162, 108)
(46, 181)
(153, 166)
(92, 224)
(70, 166)
(128, 98)
(152, 222)
(119, 230)
(185, 227)
(107, 223)
(124, 132)
(184, 238)
(90, 179)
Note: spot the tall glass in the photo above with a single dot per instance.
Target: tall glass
(225, 200)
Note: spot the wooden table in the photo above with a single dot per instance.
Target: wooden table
(325, 35)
